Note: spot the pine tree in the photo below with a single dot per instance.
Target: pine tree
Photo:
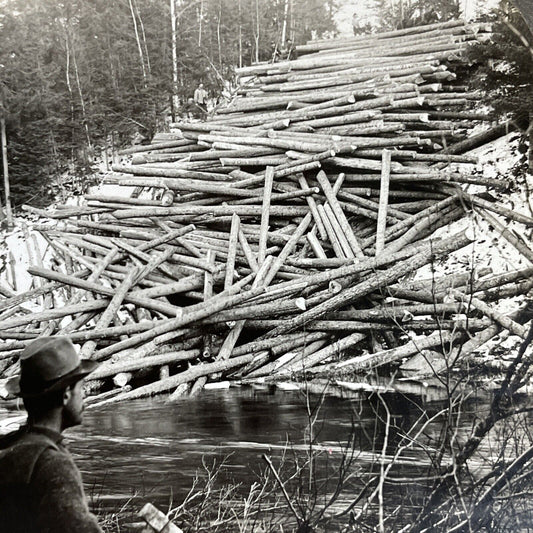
(72, 73)
(504, 69)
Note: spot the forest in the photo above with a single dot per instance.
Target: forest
(79, 75)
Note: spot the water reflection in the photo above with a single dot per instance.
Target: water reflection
(153, 449)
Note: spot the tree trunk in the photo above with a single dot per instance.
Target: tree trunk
(256, 33)
(175, 98)
(9, 215)
(148, 66)
(200, 17)
(530, 135)
(240, 32)
(284, 27)
(139, 46)
(219, 40)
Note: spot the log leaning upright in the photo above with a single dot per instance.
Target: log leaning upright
(7, 189)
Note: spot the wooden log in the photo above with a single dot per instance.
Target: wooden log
(343, 326)
(340, 120)
(518, 243)
(148, 303)
(95, 398)
(332, 235)
(480, 139)
(349, 271)
(421, 178)
(284, 365)
(400, 313)
(372, 283)
(182, 339)
(169, 154)
(231, 339)
(367, 207)
(499, 209)
(232, 251)
(316, 45)
(504, 321)
(506, 291)
(365, 362)
(156, 261)
(383, 201)
(339, 214)
(285, 144)
(53, 314)
(287, 249)
(242, 211)
(157, 146)
(313, 208)
(18, 299)
(403, 226)
(265, 214)
(281, 197)
(189, 315)
(457, 279)
(157, 520)
(181, 184)
(441, 218)
(170, 172)
(107, 316)
(207, 295)
(174, 381)
(316, 246)
(337, 230)
(248, 252)
(335, 348)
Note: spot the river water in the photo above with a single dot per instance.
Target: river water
(151, 450)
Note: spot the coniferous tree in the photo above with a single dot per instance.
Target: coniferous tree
(504, 69)
(73, 73)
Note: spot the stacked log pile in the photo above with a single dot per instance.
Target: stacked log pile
(281, 235)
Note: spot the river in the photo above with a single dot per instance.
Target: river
(150, 451)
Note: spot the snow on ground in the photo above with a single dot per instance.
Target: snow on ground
(490, 249)
(17, 252)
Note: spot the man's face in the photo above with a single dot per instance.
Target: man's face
(73, 406)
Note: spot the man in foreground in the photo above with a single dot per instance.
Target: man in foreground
(40, 486)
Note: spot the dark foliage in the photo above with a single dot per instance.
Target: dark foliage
(503, 67)
(79, 74)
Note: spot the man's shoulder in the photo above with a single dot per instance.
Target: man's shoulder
(25, 436)
(11, 438)
(20, 452)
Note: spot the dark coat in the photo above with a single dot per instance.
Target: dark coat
(40, 486)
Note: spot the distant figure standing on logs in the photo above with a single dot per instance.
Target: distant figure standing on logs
(355, 24)
(40, 486)
(288, 50)
(200, 98)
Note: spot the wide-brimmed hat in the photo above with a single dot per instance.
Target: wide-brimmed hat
(49, 364)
